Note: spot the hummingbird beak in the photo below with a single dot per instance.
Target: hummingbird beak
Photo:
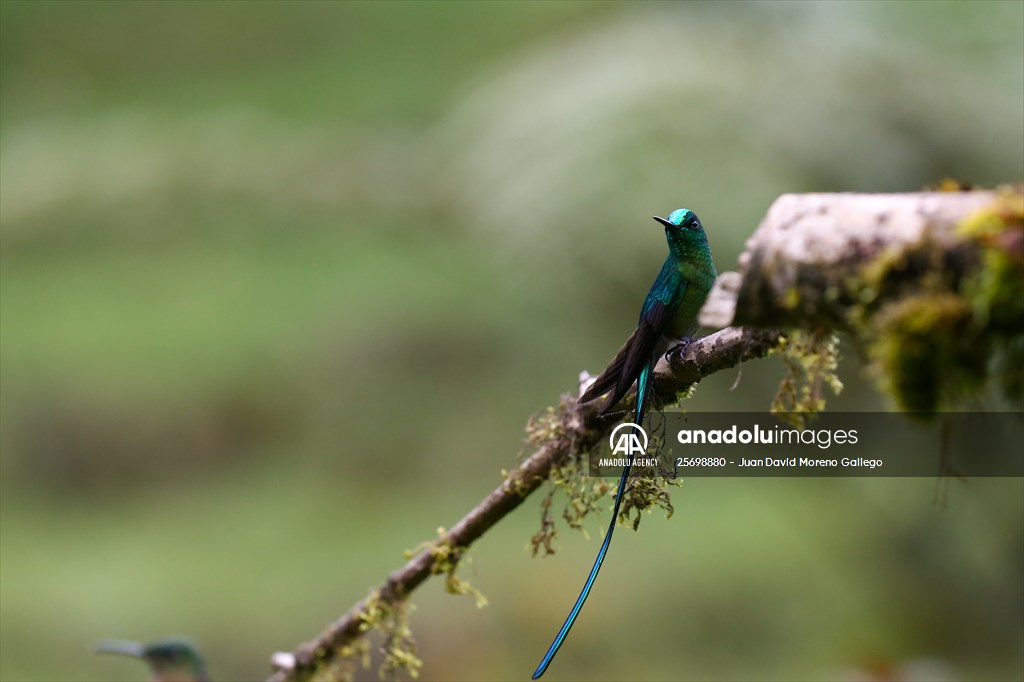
(121, 648)
(663, 221)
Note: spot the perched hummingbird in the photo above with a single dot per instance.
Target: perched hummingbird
(170, 660)
(669, 314)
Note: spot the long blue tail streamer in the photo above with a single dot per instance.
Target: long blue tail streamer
(642, 386)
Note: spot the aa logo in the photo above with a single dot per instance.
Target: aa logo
(628, 443)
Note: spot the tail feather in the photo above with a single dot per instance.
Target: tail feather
(631, 361)
(610, 381)
(643, 385)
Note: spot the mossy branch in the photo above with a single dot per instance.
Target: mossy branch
(929, 285)
(815, 257)
(577, 429)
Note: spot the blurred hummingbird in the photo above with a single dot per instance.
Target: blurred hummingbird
(170, 660)
(669, 314)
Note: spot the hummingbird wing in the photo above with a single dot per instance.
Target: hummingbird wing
(636, 353)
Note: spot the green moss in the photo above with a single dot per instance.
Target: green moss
(925, 348)
(1009, 367)
(952, 317)
(391, 620)
(447, 558)
(810, 359)
(996, 291)
(387, 619)
(399, 645)
(873, 275)
(583, 493)
(791, 299)
(645, 494)
(548, 425)
(950, 185)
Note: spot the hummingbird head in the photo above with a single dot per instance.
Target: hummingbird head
(684, 232)
(170, 660)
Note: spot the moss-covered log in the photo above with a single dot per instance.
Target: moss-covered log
(930, 285)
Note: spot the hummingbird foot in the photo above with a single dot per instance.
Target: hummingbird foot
(677, 352)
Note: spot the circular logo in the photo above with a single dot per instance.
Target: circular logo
(628, 443)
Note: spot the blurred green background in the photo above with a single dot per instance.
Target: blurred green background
(282, 283)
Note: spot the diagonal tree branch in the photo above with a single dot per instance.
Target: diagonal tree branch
(580, 429)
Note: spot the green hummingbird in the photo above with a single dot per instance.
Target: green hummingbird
(170, 660)
(669, 315)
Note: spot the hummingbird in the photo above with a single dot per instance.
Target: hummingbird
(170, 660)
(668, 316)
